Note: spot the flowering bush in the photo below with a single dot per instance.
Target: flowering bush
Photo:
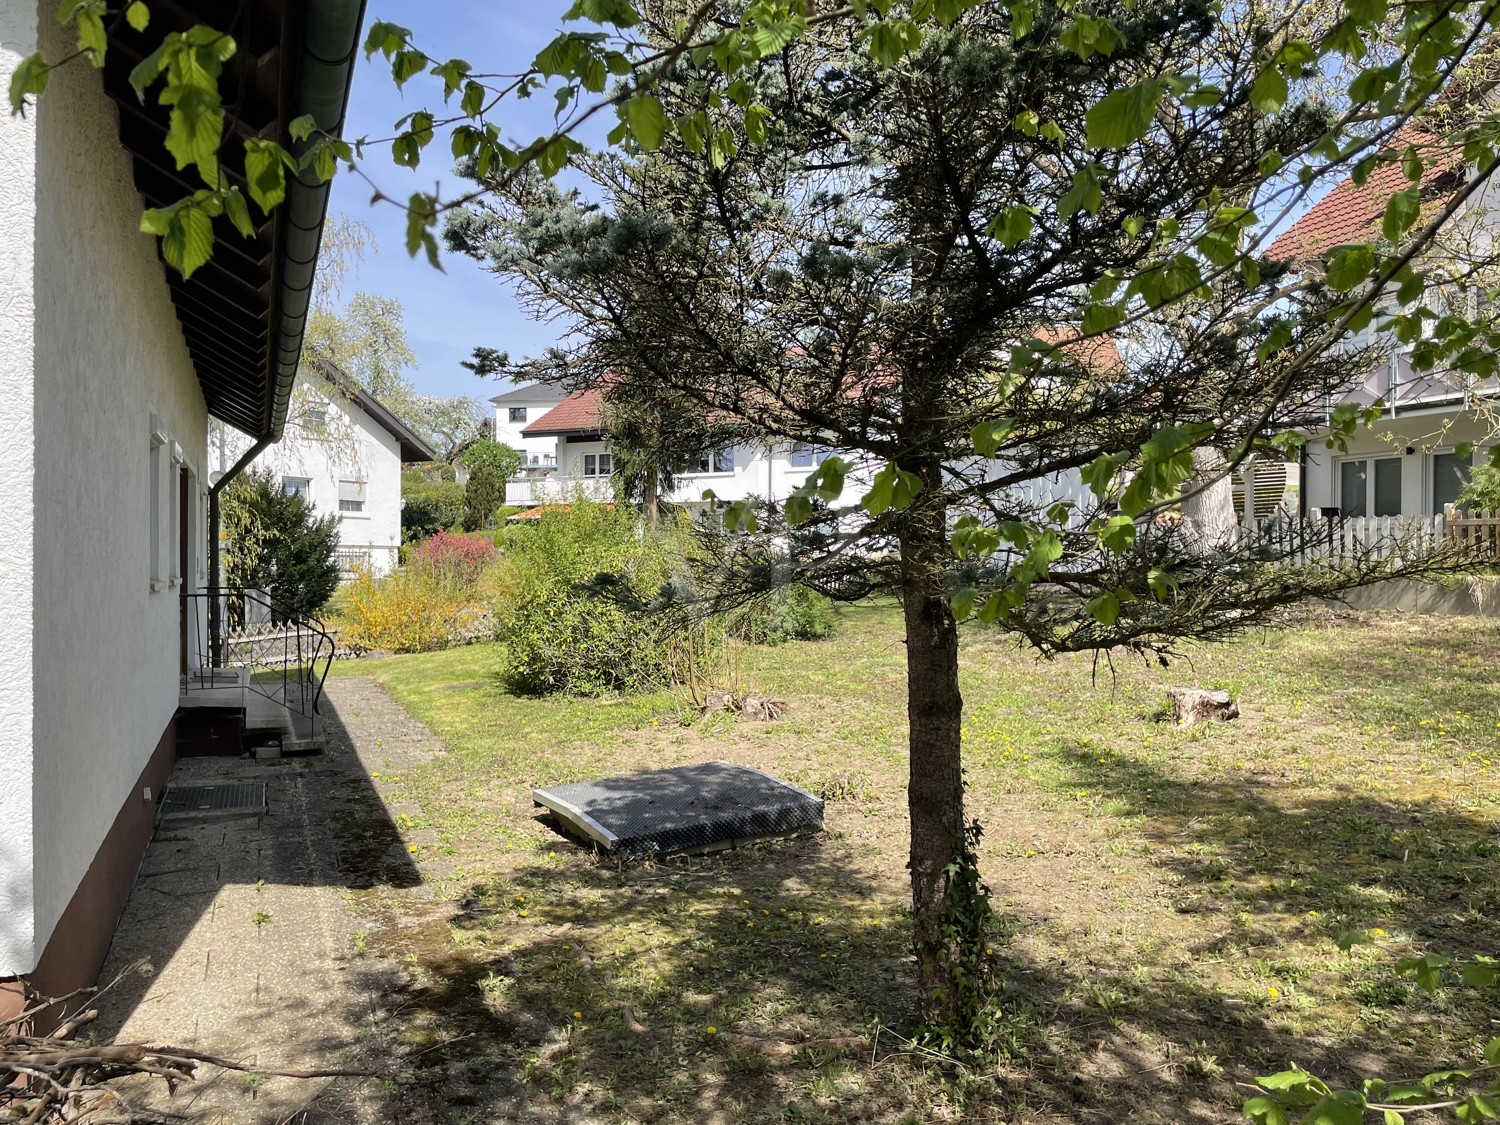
(454, 561)
(409, 611)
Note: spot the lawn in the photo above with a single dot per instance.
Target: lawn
(1170, 899)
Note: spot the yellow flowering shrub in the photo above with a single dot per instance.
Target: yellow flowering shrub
(409, 611)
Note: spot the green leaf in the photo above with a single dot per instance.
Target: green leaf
(1479, 974)
(385, 37)
(300, 128)
(137, 15)
(1492, 1052)
(421, 217)
(1391, 1117)
(473, 99)
(1161, 582)
(1350, 265)
(1347, 941)
(238, 212)
(1124, 115)
(1118, 534)
(195, 127)
(1478, 1107)
(1012, 226)
(1367, 12)
(988, 436)
(1344, 1108)
(1266, 1111)
(1104, 609)
(30, 78)
(186, 231)
(1401, 212)
(798, 508)
(266, 172)
(962, 601)
(647, 120)
(1270, 90)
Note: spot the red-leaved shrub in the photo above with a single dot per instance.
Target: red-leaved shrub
(453, 560)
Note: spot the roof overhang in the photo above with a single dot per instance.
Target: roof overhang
(413, 448)
(243, 313)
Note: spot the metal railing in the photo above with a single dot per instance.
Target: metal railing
(286, 656)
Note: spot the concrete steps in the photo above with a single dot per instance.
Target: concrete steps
(220, 713)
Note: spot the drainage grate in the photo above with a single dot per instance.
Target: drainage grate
(713, 804)
(235, 797)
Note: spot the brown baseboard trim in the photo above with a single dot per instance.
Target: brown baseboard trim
(75, 953)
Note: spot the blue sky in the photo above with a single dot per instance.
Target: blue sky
(447, 313)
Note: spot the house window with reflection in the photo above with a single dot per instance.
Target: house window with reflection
(297, 486)
(806, 456)
(598, 464)
(518, 414)
(718, 461)
(1370, 486)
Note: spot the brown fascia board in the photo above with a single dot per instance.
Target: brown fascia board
(413, 448)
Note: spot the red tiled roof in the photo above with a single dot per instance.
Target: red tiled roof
(1352, 212)
(1098, 353)
(582, 412)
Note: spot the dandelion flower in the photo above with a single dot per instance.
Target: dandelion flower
(411, 847)
(524, 913)
(712, 1030)
(1273, 992)
(578, 1015)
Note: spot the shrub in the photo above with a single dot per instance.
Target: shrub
(453, 561)
(428, 506)
(408, 611)
(790, 613)
(1483, 491)
(490, 465)
(562, 638)
(565, 641)
(278, 544)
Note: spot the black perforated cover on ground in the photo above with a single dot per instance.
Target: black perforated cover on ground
(673, 810)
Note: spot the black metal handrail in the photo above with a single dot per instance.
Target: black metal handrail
(307, 648)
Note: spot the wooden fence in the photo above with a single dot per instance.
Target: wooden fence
(1475, 531)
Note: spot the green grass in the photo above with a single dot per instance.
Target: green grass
(1171, 898)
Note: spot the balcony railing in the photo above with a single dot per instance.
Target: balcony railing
(556, 489)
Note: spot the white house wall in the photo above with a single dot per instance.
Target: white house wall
(108, 355)
(1424, 433)
(356, 448)
(17, 359)
(509, 433)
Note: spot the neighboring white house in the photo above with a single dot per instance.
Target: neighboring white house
(110, 366)
(343, 452)
(1409, 463)
(515, 410)
(575, 457)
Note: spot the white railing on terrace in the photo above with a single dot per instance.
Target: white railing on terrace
(554, 489)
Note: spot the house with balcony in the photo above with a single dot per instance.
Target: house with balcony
(575, 458)
(111, 365)
(1415, 460)
(343, 452)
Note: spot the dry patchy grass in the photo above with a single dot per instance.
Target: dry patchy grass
(1170, 899)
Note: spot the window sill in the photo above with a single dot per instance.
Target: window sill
(353, 516)
(700, 476)
(158, 584)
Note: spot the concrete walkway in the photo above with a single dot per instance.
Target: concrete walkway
(252, 926)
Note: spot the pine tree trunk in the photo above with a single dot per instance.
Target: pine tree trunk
(653, 501)
(935, 795)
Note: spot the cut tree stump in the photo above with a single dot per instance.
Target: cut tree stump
(1196, 705)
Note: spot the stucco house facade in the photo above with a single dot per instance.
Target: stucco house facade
(576, 457)
(110, 367)
(1416, 458)
(343, 452)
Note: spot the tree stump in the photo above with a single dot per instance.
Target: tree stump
(1196, 705)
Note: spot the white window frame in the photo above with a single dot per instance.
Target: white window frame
(516, 414)
(175, 530)
(160, 450)
(598, 465)
(1429, 484)
(709, 465)
(1369, 459)
(815, 454)
(305, 492)
(354, 512)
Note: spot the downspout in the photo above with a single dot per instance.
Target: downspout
(215, 626)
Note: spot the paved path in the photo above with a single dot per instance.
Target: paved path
(252, 926)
